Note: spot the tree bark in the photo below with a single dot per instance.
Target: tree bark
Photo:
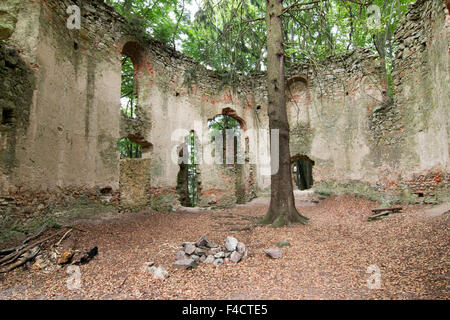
(282, 210)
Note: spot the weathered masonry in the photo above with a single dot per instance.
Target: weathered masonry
(61, 117)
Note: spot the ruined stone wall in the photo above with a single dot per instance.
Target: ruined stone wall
(176, 95)
(341, 119)
(421, 78)
(66, 128)
(135, 183)
(329, 111)
(61, 113)
(66, 144)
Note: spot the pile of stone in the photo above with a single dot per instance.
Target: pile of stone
(204, 251)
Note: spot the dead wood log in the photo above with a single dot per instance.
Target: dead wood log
(393, 209)
(24, 242)
(16, 254)
(378, 215)
(10, 250)
(44, 227)
(28, 256)
(60, 240)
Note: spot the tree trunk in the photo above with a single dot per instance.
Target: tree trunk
(282, 209)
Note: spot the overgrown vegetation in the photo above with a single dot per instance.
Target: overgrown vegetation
(230, 36)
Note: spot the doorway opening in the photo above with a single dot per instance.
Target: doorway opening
(188, 182)
(302, 167)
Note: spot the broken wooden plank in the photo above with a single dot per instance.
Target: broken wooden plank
(393, 209)
(378, 215)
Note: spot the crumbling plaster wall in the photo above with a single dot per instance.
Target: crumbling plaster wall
(338, 117)
(75, 119)
(68, 150)
(178, 97)
(421, 79)
(329, 107)
(329, 110)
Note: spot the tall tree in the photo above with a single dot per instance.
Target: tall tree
(282, 210)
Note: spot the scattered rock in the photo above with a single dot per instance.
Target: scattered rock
(231, 243)
(214, 251)
(236, 257)
(209, 259)
(220, 255)
(159, 273)
(189, 249)
(185, 263)
(195, 257)
(217, 262)
(205, 251)
(86, 257)
(241, 248)
(181, 255)
(204, 242)
(274, 253)
(66, 257)
(147, 266)
(200, 251)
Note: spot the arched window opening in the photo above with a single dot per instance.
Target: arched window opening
(128, 97)
(188, 176)
(302, 171)
(225, 133)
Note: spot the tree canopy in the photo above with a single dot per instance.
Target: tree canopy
(230, 35)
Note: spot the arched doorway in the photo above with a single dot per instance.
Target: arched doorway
(302, 167)
(188, 178)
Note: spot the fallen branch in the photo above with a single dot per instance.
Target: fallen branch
(376, 216)
(44, 227)
(10, 250)
(23, 259)
(60, 240)
(393, 209)
(15, 255)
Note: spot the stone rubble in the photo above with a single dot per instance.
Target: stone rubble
(158, 273)
(274, 253)
(204, 251)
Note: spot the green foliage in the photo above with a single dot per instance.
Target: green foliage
(230, 35)
(128, 98)
(128, 105)
(192, 169)
(219, 126)
(129, 149)
(165, 20)
(226, 37)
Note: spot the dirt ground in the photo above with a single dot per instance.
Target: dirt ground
(327, 259)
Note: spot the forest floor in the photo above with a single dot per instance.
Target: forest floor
(327, 259)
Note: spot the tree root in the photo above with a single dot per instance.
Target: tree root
(278, 220)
